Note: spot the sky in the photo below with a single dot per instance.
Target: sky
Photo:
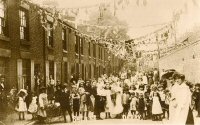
(146, 19)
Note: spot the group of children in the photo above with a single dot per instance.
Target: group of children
(138, 100)
(142, 101)
(146, 103)
(22, 106)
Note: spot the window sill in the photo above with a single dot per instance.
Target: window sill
(76, 54)
(4, 38)
(50, 47)
(65, 51)
(25, 42)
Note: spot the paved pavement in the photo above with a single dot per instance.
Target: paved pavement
(112, 122)
(59, 121)
(13, 119)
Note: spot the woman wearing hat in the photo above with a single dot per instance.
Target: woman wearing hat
(183, 104)
(43, 102)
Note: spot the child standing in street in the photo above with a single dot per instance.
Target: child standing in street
(33, 106)
(42, 105)
(108, 105)
(83, 106)
(141, 106)
(156, 107)
(125, 101)
(147, 106)
(133, 104)
(22, 104)
(76, 103)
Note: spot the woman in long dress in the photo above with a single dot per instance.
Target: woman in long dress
(183, 102)
(172, 102)
(118, 108)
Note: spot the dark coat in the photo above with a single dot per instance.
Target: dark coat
(2, 98)
(99, 103)
(141, 105)
(58, 95)
(88, 99)
(64, 100)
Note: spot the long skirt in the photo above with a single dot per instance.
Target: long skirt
(99, 105)
(156, 106)
(190, 118)
(118, 108)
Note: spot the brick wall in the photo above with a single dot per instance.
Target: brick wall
(38, 53)
(185, 60)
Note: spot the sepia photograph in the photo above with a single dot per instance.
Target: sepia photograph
(99, 62)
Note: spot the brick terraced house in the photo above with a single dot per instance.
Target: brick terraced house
(28, 50)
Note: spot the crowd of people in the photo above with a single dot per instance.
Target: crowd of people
(136, 95)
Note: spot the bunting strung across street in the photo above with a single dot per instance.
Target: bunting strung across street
(127, 51)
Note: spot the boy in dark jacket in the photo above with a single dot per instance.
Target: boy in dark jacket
(141, 106)
(65, 102)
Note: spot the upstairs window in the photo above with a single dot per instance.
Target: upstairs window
(2, 17)
(89, 51)
(24, 31)
(76, 44)
(50, 34)
(81, 45)
(99, 52)
(102, 51)
(64, 40)
(94, 50)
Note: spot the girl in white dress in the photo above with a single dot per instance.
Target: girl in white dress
(33, 106)
(109, 104)
(156, 107)
(21, 104)
(133, 104)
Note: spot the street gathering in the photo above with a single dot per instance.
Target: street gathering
(88, 62)
(122, 96)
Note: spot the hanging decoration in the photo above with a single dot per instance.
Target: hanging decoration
(44, 19)
(127, 51)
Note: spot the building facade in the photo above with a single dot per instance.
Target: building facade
(185, 60)
(28, 50)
